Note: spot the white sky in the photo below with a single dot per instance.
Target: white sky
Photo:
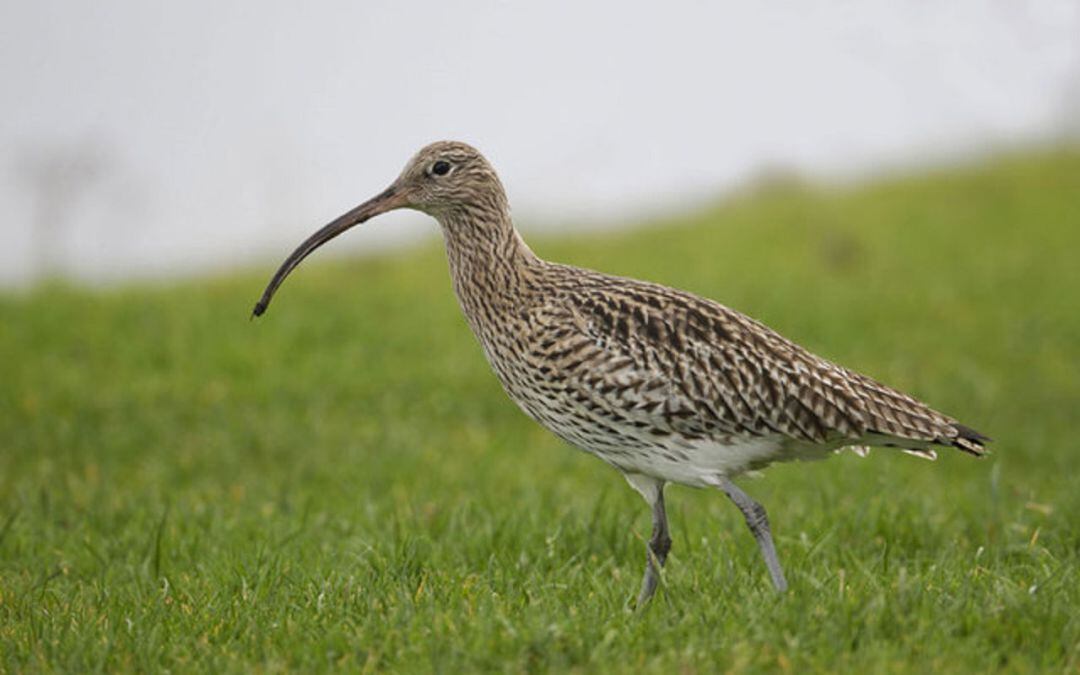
(228, 131)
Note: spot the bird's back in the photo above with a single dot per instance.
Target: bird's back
(638, 372)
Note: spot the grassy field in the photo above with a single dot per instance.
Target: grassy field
(343, 484)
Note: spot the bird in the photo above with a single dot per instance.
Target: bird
(662, 384)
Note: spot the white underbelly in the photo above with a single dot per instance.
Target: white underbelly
(704, 463)
(693, 462)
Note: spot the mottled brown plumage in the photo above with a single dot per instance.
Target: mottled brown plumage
(662, 384)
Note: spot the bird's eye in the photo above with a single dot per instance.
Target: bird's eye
(440, 168)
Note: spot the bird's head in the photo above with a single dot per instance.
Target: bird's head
(446, 179)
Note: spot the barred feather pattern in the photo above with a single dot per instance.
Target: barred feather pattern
(651, 379)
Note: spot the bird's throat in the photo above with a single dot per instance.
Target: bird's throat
(490, 264)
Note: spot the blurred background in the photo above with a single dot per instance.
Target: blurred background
(141, 140)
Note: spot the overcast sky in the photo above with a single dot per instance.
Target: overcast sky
(160, 137)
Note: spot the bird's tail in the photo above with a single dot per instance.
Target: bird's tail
(954, 435)
(969, 440)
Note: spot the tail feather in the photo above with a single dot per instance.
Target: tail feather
(924, 453)
(969, 440)
(951, 434)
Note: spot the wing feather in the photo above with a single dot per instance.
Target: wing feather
(690, 365)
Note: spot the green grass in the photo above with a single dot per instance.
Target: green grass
(343, 483)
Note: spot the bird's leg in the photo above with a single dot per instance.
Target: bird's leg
(659, 545)
(758, 521)
(657, 550)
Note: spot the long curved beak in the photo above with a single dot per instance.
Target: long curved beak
(387, 200)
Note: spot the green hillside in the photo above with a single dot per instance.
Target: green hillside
(343, 483)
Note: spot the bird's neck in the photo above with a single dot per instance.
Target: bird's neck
(490, 264)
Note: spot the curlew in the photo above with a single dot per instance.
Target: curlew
(664, 385)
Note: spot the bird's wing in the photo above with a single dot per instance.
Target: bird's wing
(692, 366)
